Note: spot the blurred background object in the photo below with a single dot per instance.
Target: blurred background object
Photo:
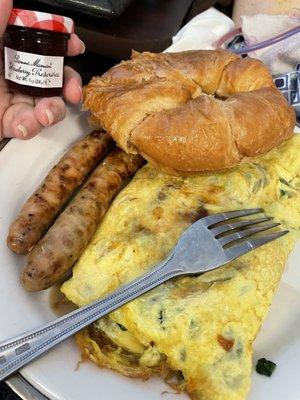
(272, 7)
(111, 29)
(109, 9)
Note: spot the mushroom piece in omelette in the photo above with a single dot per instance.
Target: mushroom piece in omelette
(199, 328)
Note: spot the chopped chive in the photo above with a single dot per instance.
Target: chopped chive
(122, 327)
(161, 317)
(182, 355)
(282, 193)
(285, 182)
(265, 367)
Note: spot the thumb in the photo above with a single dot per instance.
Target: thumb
(5, 10)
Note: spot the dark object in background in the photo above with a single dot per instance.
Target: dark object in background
(198, 6)
(289, 85)
(109, 9)
(6, 393)
(144, 25)
(265, 367)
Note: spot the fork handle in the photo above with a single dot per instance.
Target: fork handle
(17, 352)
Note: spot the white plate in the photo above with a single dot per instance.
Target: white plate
(22, 166)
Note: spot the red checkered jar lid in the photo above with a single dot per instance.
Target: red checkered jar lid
(41, 20)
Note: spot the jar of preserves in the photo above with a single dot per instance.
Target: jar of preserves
(35, 44)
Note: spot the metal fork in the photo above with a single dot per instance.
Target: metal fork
(207, 244)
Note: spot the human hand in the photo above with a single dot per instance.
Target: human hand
(23, 116)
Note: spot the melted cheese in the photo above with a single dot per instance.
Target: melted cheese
(202, 326)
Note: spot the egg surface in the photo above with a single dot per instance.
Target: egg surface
(196, 332)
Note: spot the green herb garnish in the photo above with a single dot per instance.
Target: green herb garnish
(161, 316)
(122, 327)
(284, 181)
(265, 367)
(182, 355)
(282, 192)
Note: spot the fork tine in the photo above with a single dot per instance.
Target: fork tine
(228, 227)
(246, 232)
(214, 219)
(251, 244)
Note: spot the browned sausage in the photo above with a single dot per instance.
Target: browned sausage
(62, 245)
(43, 205)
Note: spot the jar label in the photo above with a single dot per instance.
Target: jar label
(33, 69)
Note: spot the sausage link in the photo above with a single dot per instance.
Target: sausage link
(62, 245)
(40, 210)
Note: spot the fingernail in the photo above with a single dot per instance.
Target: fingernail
(50, 116)
(82, 47)
(23, 130)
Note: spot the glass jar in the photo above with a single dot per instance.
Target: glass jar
(35, 45)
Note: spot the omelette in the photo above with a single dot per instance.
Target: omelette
(196, 331)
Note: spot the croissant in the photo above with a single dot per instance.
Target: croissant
(191, 111)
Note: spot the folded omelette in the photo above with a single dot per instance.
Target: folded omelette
(196, 332)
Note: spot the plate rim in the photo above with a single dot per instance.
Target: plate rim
(22, 388)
